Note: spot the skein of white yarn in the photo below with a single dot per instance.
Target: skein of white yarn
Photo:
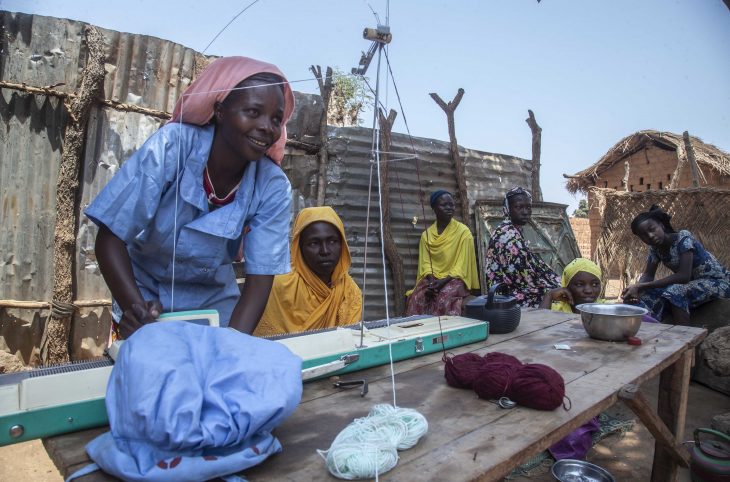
(369, 446)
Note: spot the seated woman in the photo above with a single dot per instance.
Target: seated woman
(509, 259)
(318, 292)
(447, 266)
(580, 283)
(697, 277)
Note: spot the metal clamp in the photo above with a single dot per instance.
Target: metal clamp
(353, 383)
(504, 402)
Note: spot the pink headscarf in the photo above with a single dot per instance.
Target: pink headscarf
(216, 82)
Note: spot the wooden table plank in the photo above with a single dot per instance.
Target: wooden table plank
(468, 438)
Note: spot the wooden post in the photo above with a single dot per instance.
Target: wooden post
(325, 90)
(55, 339)
(454, 149)
(692, 160)
(391, 251)
(672, 409)
(536, 147)
(632, 397)
(627, 170)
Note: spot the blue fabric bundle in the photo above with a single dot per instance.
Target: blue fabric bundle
(191, 403)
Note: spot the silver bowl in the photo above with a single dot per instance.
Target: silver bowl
(611, 322)
(571, 470)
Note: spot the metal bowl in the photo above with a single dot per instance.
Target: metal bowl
(611, 322)
(571, 470)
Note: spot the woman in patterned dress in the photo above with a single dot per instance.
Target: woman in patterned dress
(509, 259)
(697, 277)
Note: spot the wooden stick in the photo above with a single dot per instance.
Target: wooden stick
(49, 91)
(325, 90)
(391, 250)
(42, 305)
(632, 397)
(691, 158)
(55, 339)
(672, 409)
(454, 149)
(536, 147)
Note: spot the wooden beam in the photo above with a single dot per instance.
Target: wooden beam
(325, 90)
(636, 401)
(454, 149)
(391, 250)
(672, 409)
(55, 339)
(536, 147)
(692, 160)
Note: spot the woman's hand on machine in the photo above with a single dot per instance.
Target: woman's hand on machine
(139, 314)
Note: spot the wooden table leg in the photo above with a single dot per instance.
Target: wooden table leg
(672, 409)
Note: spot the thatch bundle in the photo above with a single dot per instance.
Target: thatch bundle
(706, 155)
(700, 210)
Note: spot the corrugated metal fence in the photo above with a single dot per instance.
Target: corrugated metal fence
(150, 72)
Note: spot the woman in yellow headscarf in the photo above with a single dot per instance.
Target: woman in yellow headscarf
(580, 283)
(447, 265)
(318, 292)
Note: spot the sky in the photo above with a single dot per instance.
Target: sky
(593, 72)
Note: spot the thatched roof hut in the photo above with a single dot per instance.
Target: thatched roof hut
(707, 156)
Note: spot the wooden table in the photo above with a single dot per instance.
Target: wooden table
(469, 438)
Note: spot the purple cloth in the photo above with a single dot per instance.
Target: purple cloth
(648, 319)
(576, 444)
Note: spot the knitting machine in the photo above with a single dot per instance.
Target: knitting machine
(52, 400)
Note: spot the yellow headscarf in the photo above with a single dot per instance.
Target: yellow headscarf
(570, 270)
(300, 301)
(450, 253)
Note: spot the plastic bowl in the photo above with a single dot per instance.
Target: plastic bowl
(571, 470)
(611, 322)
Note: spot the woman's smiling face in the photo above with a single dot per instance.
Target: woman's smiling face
(250, 120)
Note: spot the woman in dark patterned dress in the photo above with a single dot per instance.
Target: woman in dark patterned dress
(509, 259)
(697, 277)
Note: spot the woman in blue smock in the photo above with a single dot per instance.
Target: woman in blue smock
(175, 216)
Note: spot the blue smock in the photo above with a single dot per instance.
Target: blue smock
(162, 183)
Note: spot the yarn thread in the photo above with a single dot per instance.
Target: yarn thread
(369, 445)
(497, 375)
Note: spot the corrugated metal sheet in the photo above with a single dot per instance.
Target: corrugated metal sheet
(411, 183)
(151, 72)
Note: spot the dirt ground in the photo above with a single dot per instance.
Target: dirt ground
(628, 458)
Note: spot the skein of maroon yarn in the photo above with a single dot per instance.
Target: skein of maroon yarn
(461, 370)
(495, 379)
(537, 386)
(497, 357)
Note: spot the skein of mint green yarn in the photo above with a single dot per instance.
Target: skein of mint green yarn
(369, 445)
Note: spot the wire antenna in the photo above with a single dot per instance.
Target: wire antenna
(228, 24)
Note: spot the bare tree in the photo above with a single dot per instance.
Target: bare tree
(454, 149)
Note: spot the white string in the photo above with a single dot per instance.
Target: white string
(177, 195)
(226, 26)
(376, 144)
